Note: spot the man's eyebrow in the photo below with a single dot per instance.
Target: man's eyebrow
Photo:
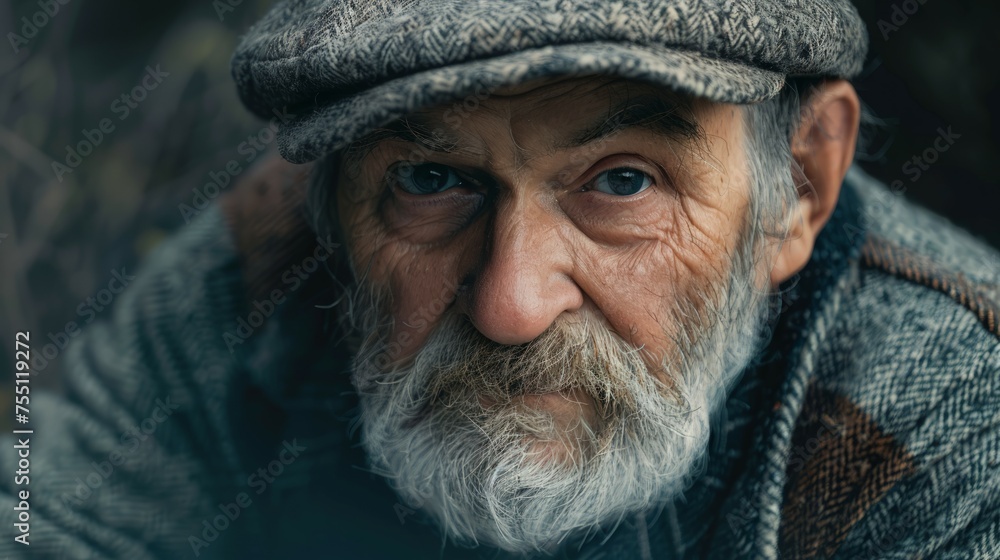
(651, 112)
(407, 129)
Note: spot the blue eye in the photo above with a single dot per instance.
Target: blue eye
(427, 178)
(623, 181)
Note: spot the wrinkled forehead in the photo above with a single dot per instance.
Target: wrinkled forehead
(557, 102)
(543, 116)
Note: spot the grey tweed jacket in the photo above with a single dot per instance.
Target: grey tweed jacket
(869, 428)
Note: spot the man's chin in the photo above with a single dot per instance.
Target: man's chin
(545, 468)
(559, 427)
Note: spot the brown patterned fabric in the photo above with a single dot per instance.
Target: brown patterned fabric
(840, 465)
(265, 212)
(881, 254)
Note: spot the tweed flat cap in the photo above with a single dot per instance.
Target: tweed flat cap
(346, 67)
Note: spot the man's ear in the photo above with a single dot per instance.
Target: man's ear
(823, 149)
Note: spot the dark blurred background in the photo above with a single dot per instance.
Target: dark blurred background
(931, 67)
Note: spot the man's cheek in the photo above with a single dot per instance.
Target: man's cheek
(635, 290)
(416, 315)
(406, 339)
(417, 321)
(701, 266)
(647, 274)
(703, 243)
(387, 263)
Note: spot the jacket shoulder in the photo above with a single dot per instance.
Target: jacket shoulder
(897, 446)
(923, 313)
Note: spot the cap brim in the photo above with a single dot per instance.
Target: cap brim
(334, 126)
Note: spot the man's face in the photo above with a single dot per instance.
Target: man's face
(559, 281)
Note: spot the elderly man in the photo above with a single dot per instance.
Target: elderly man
(569, 277)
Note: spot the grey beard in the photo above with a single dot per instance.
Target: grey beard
(475, 469)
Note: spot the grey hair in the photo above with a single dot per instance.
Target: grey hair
(321, 213)
(777, 179)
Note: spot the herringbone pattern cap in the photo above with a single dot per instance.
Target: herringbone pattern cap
(344, 67)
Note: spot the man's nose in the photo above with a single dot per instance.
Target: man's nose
(525, 281)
